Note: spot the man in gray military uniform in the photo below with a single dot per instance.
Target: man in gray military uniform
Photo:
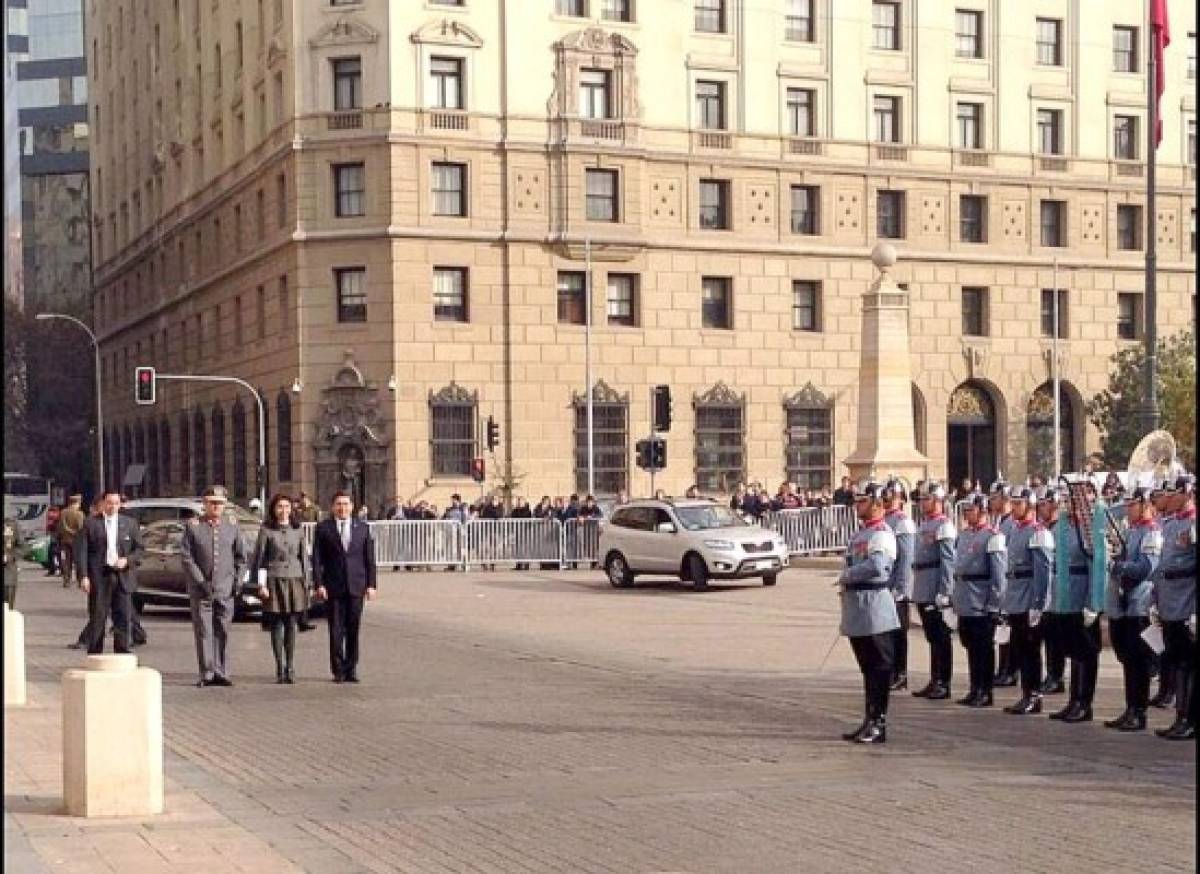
(1162, 498)
(1128, 607)
(215, 560)
(981, 560)
(1174, 604)
(933, 580)
(1000, 512)
(1030, 558)
(902, 526)
(1077, 619)
(869, 610)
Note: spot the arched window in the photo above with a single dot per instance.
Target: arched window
(720, 440)
(1039, 433)
(185, 451)
(971, 443)
(283, 437)
(113, 450)
(610, 440)
(199, 454)
(266, 430)
(164, 454)
(218, 445)
(808, 452)
(238, 423)
(452, 430)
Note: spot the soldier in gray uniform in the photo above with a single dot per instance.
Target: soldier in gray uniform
(1030, 559)
(1174, 601)
(1162, 497)
(981, 560)
(933, 580)
(1056, 657)
(869, 610)
(1128, 607)
(902, 526)
(1000, 512)
(1077, 619)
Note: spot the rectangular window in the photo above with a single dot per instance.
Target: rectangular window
(349, 190)
(450, 294)
(799, 21)
(622, 299)
(260, 311)
(610, 446)
(1049, 42)
(716, 304)
(1125, 137)
(281, 211)
(446, 75)
(571, 295)
(1049, 299)
(285, 303)
(968, 33)
(453, 436)
(602, 196)
(238, 323)
(974, 312)
(616, 10)
(449, 183)
(347, 84)
(594, 94)
(1129, 227)
(577, 8)
(714, 204)
(887, 119)
(260, 214)
(1191, 56)
(809, 454)
(1129, 315)
(972, 218)
(806, 305)
(710, 16)
(1053, 221)
(801, 110)
(720, 447)
(806, 201)
(1125, 44)
(885, 25)
(969, 117)
(351, 293)
(1190, 157)
(889, 214)
(710, 105)
(1049, 129)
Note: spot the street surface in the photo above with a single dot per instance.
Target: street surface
(545, 722)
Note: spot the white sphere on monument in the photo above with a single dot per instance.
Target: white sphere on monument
(884, 256)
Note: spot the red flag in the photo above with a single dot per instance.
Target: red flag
(1161, 32)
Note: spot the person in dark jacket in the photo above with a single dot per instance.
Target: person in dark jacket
(343, 570)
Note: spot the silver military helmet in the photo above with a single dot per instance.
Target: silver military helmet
(870, 490)
(1024, 493)
(935, 490)
(894, 487)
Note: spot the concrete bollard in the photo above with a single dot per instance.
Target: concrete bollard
(112, 738)
(14, 658)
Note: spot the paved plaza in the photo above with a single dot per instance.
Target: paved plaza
(545, 722)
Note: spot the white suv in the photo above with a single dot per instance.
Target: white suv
(695, 540)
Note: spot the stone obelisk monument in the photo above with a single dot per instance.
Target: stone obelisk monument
(886, 443)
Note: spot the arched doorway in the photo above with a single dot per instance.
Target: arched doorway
(971, 435)
(1039, 431)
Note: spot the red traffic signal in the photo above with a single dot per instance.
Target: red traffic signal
(478, 471)
(144, 385)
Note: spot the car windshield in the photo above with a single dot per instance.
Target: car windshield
(704, 518)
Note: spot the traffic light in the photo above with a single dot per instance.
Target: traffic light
(658, 454)
(478, 471)
(493, 434)
(662, 408)
(144, 382)
(643, 454)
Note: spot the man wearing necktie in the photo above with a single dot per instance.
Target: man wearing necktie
(343, 566)
(106, 553)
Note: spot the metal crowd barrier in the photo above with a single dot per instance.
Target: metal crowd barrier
(513, 541)
(581, 541)
(418, 543)
(811, 530)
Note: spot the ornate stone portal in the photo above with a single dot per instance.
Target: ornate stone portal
(886, 443)
(351, 443)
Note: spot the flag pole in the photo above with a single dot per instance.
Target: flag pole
(1151, 415)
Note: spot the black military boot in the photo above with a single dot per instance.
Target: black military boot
(1029, 704)
(900, 681)
(940, 692)
(1120, 720)
(1181, 730)
(1052, 686)
(854, 735)
(1135, 722)
(924, 692)
(1005, 679)
(1166, 688)
(966, 700)
(875, 732)
(983, 699)
(1080, 712)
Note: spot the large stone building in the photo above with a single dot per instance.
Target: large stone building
(380, 213)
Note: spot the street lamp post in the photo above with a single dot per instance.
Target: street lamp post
(41, 317)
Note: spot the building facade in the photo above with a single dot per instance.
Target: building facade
(382, 214)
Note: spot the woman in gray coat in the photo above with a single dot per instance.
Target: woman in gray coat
(281, 567)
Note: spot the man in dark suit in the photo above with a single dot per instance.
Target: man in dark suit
(343, 566)
(107, 550)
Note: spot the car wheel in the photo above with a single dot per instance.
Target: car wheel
(770, 579)
(697, 572)
(139, 604)
(618, 571)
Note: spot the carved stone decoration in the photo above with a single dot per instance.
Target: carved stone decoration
(602, 393)
(807, 397)
(345, 31)
(1041, 406)
(977, 359)
(969, 404)
(351, 443)
(448, 32)
(595, 49)
(720, 395)
(1064, 359)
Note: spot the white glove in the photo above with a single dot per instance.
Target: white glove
(1192, 625)
(942, 601)
(950, 618)
(1089, 617)
(1035, 616)
(1154, 617)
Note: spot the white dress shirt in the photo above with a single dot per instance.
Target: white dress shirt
(110, 532)
(344, 532)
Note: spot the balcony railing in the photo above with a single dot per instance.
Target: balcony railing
(713, 140)
(1130, 168)
(1054, 165)
(974, 159)
(891, 153)
(344, 120)
(448, 119)
(602, 130)
(804, 146)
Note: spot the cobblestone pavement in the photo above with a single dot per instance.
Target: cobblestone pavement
(545, 722)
